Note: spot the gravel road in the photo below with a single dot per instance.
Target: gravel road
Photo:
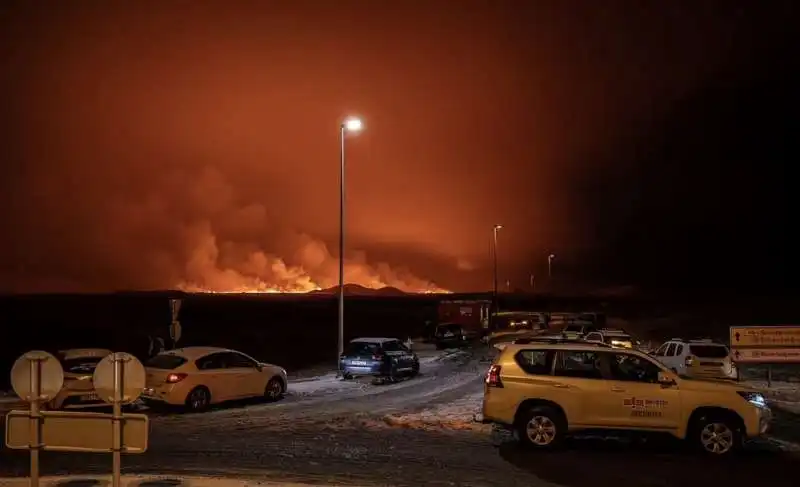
(330, 431)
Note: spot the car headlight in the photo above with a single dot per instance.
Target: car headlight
(754, 398)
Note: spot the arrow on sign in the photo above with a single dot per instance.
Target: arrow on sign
(736, 335)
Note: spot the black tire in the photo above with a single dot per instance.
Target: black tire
(198, 399)
(715, 435)
(347, 377)
(551, 424)
(274, 389)
(439, 346)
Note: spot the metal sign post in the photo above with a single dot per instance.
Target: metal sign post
(175, 325)
(36, 377)
(116, 422)
(35, 364)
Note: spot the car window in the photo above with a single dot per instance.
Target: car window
(573, 328)
(679, 351)
(708, 351)
(80, 365)
(358, 349)
(235, 360)
(392, 346)
(166, 361)
(631, 368)
(671, 350)
(578, 364)
(536, 362)
(212, 361)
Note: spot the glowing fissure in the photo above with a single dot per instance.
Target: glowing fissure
(234, 267)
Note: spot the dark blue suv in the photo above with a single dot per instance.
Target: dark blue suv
(386, 358)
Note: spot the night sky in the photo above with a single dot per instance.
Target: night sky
(194, 144)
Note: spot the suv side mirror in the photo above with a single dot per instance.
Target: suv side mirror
(665, 380)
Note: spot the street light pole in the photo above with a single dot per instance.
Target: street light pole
(494, 256)
(349, 125)
(550, 265)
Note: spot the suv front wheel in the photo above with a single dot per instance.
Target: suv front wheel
(542, 427)
(716, 435)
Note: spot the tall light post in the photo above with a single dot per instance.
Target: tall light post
(349, 125)
(494, 257)
(550, 265)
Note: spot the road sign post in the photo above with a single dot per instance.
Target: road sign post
(766, 345)
(175, 326)
(118, 379)
(37, 377)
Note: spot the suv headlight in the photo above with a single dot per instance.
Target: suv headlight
(754, 398)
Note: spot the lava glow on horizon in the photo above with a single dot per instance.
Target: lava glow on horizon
(266, 289)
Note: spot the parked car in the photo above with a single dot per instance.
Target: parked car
(613, 337)
(450, 335)
(385, 358)
(697, 358)
(197, 377)
(78, 389)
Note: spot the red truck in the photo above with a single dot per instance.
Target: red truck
(471, 314)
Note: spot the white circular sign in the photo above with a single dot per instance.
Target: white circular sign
(132, 378)
(36, 366)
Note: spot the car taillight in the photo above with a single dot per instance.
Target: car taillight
(175, 378)
(377, 356)
(689, 361)
(493, 376)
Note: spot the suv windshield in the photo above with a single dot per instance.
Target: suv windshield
(708, 351)
(166, 361)
(452, 328)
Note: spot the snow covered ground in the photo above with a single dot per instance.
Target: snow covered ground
(148, 481)
(455, 415)
(329, 383)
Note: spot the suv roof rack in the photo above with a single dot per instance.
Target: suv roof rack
(557, 340)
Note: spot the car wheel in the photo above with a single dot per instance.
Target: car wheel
(716, 435)
(199, 399)
(542, 428)
(347, 377)
(274, 389)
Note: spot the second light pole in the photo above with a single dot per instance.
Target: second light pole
(494, 256)
(351, 124)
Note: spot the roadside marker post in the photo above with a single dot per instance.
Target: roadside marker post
(118, 379)
(36, 377)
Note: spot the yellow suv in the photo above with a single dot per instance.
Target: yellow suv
(545, 390)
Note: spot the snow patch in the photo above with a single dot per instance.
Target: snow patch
(456, 415)
(151, 481)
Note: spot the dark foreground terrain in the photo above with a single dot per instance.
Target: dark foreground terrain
(413, 433)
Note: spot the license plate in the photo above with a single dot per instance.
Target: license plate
(358, 362)
(92, 397)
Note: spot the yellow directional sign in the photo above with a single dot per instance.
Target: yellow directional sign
(765, 336)
(77, 431)
(766, 355)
